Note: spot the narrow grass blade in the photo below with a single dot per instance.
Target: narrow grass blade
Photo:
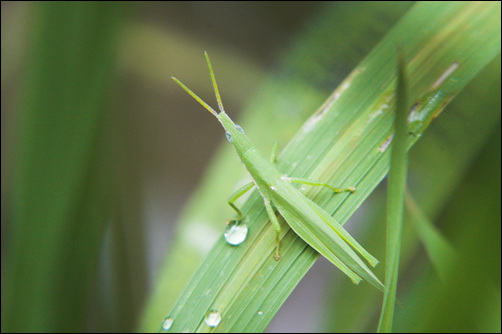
(440, 252)
(395, 200)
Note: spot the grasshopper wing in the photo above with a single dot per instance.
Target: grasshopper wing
(336, 250)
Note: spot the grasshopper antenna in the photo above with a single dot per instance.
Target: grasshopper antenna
(198, 99)
(213, 80)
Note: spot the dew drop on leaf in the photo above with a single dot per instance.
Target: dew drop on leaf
(167, 323)
(235, 232)
(212, 318)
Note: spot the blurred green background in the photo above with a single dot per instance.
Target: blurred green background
(101, 151)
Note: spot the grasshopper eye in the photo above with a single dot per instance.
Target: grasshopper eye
(229, 137)
(238, 127)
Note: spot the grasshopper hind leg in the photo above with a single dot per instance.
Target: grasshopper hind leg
(277, 227)
(317, 183)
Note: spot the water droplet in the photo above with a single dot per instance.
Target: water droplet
(272, 188)
(212, 318)
(235, 232)
(229, 137)
(238, 127)
(260, 312)
(167, 323)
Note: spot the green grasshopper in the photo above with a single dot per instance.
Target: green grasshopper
(306, 218)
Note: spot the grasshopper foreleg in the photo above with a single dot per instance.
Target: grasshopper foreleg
(237, 195)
